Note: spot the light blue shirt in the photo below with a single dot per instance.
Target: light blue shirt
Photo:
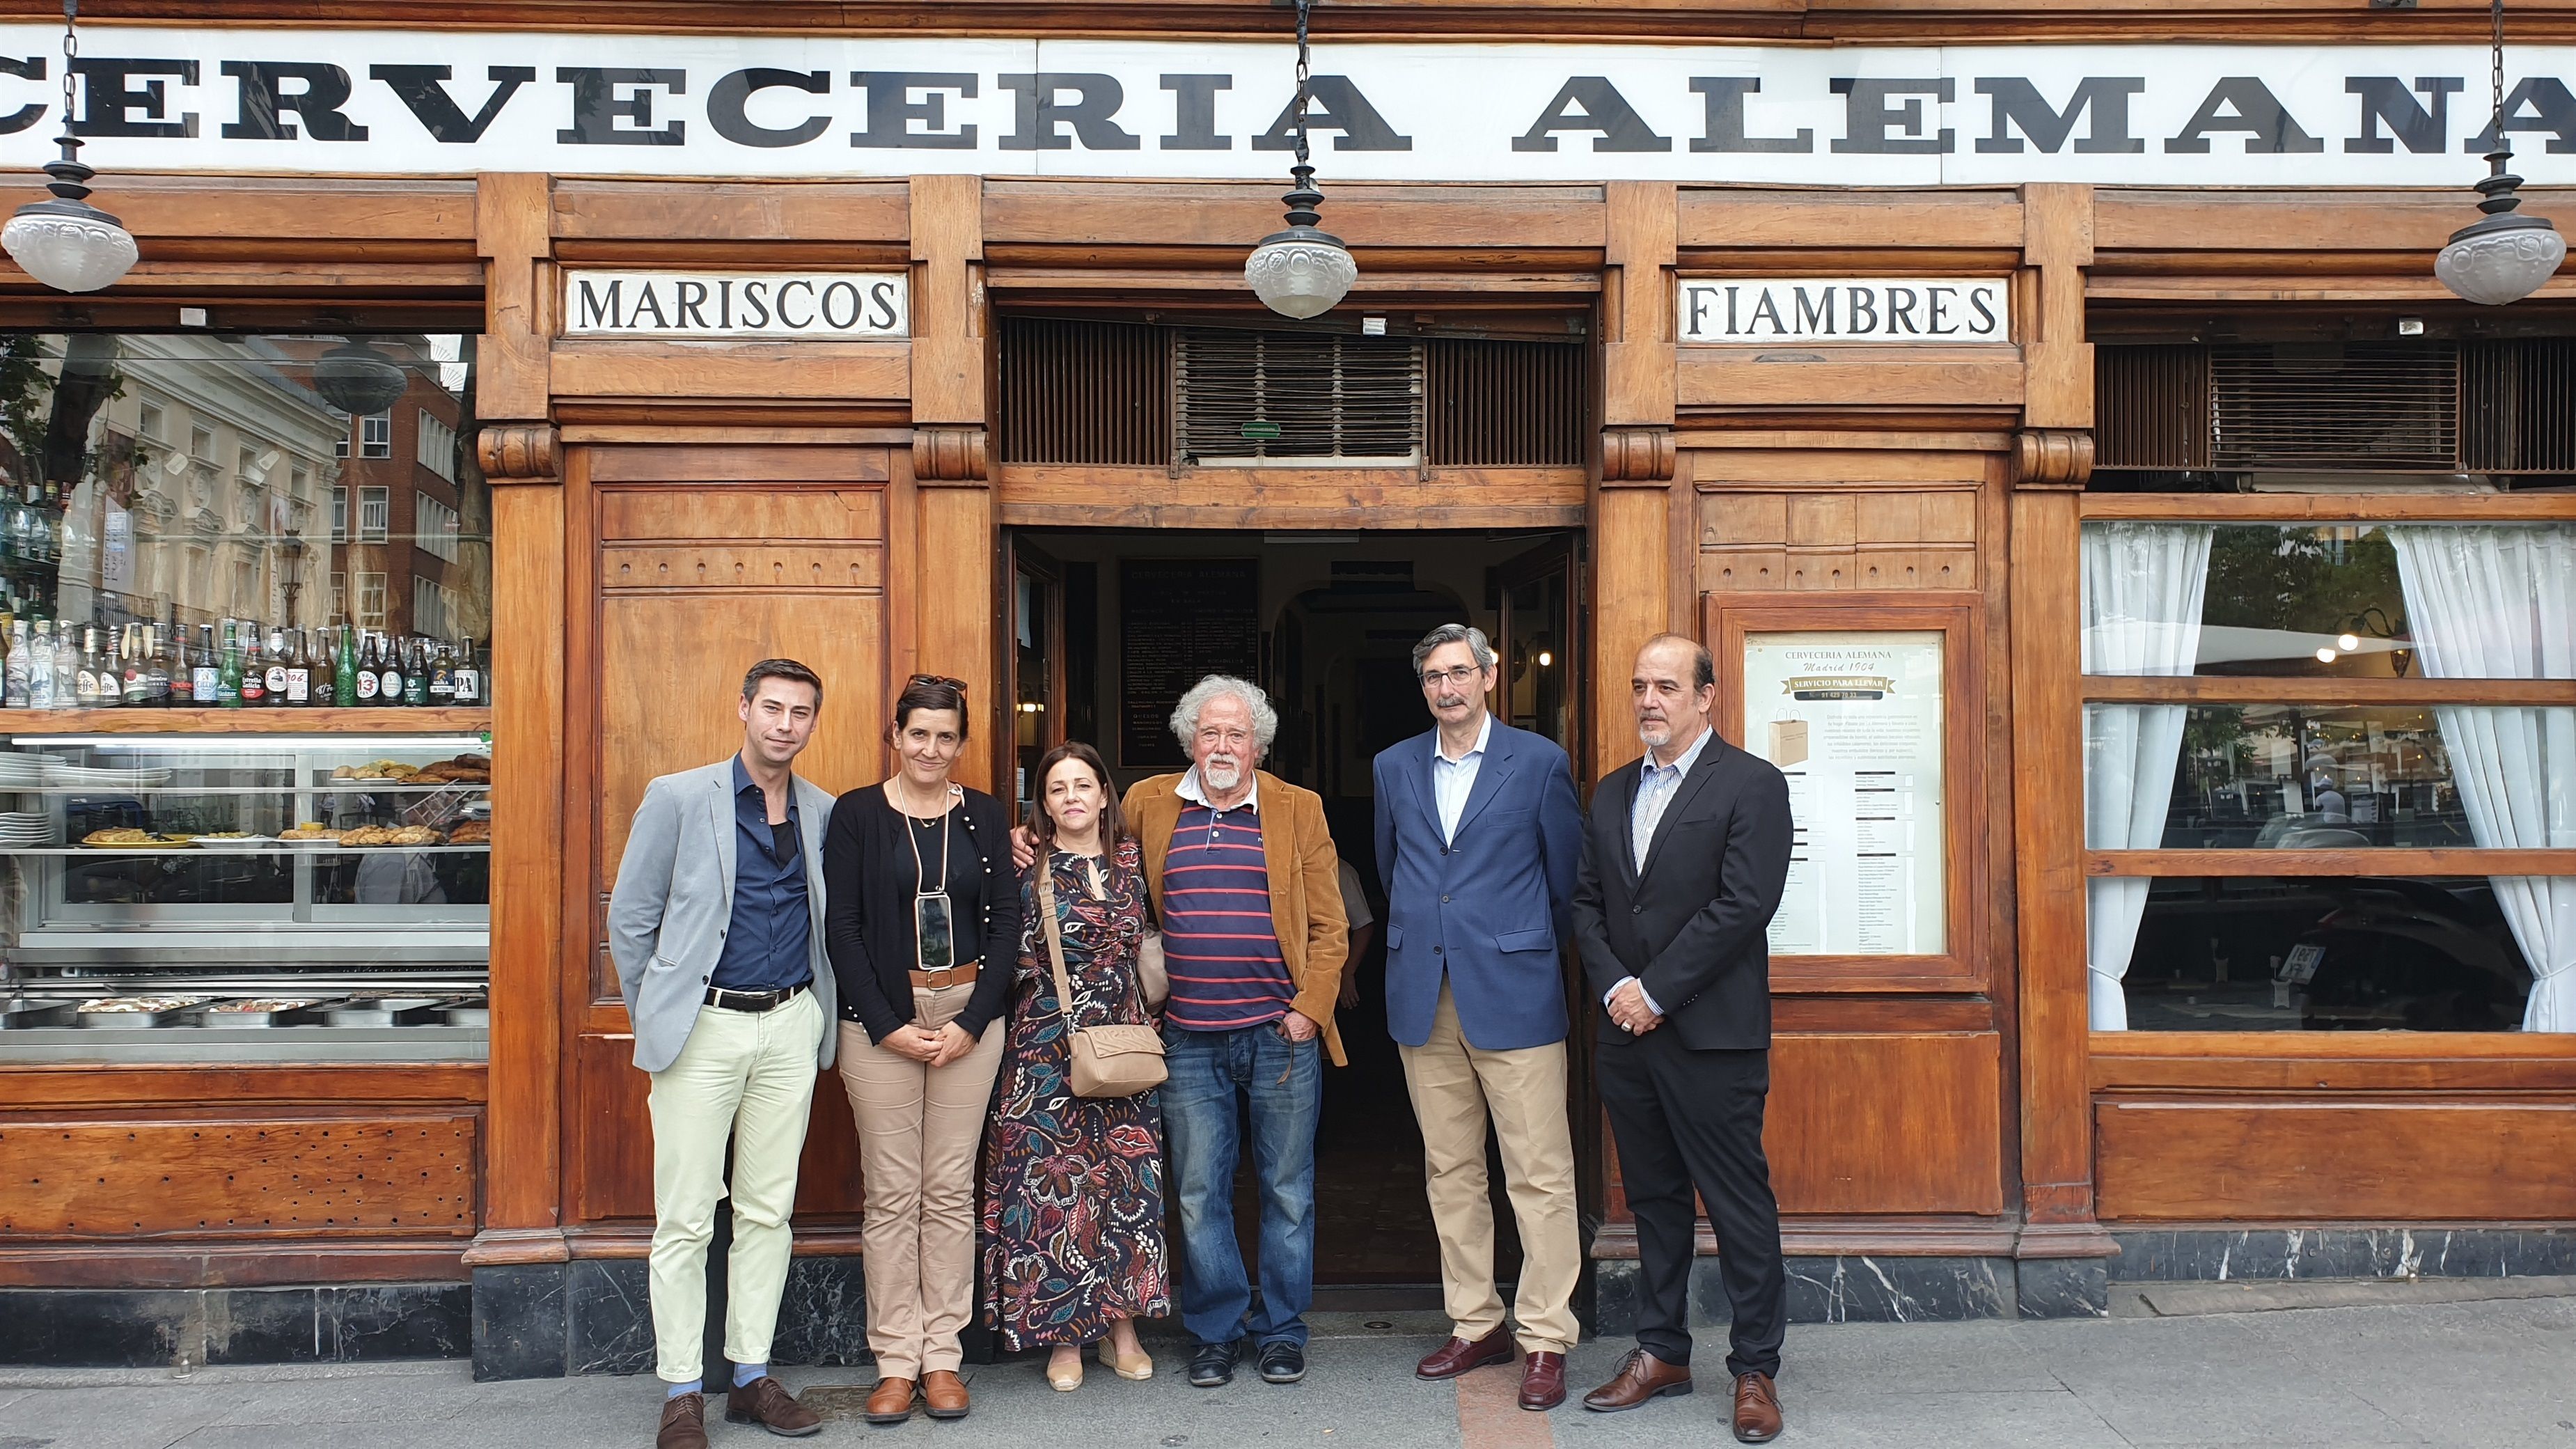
(1452, 781)
(1656, 787)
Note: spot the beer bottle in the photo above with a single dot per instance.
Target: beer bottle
(254, 665)
(156, 669)
(85, 674)
(229, 679)
(207, 670)
(135, 671)
(442, 674)
(344, 672)
(299, 672)
(367, 677)
(273, 666)
(415, 671)
(469, 679)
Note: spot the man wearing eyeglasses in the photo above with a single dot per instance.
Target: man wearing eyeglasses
(1478, 841)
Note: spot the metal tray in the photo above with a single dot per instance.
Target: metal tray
(387, 1011)
(36, 1014)
(207, 1016)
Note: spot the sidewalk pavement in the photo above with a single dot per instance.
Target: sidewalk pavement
(2490, 1374)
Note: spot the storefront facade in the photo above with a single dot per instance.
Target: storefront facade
(2155, 406)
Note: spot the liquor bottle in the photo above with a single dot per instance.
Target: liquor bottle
(388, 672)
(134, 668)
(85, 673)
(183, 673)
(274, 662)
(469, 680)
(368, 677)
(344, 672)
(254, 671)
(415, 671)
(229, 678)
(442, 675)
(40, 667)
(15, 694)
(156, 668)
(207, 671)
(299, 672)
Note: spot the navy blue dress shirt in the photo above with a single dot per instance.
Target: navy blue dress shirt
(769, 945)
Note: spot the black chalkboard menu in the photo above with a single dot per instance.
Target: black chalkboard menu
(1179, 621)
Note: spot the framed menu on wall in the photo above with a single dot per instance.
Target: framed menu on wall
(1179, 621)
(1855, 720)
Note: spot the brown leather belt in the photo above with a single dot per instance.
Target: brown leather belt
(962, 974)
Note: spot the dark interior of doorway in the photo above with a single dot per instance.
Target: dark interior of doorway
(1110, 625)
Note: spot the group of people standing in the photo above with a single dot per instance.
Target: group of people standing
(990, 991)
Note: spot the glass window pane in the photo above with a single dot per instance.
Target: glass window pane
(2328, 954)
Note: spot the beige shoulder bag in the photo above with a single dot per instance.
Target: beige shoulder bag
(1107, 1061)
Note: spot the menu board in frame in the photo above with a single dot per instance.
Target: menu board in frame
(1869, 706)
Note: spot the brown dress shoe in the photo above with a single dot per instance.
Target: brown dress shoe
(1641, 1376)
(1457, 1356)
(1543, 1382)
(1757, 1409)
(890, 1402)
(766, 1402)
(944, 1393)
(684, 1423)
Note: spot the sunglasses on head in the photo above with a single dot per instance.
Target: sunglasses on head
(949, 680)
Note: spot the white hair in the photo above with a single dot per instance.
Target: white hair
(1185, 715)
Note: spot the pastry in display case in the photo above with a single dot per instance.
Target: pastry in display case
(174, 897)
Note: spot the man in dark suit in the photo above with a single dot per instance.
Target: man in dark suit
(1683, 863)
(1477, 836)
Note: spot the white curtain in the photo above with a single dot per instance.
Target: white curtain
(2143, 584)
(2499, 602)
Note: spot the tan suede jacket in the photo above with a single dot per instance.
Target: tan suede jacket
(1305, 883)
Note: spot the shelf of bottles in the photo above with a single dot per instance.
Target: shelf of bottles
(235, 664)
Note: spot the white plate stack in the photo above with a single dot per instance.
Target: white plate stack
(21, 828)
(100, 777)
(25, 772)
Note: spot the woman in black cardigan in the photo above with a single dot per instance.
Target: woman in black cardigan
(923, 923)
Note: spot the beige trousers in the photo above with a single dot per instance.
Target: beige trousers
(749, 1075)
(919, 1128)
(1456, 1088)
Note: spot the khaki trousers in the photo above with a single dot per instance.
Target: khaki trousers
(919, 1129)
(748, 1075)
(1456, 1088)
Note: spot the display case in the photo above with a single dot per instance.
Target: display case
(257, 894)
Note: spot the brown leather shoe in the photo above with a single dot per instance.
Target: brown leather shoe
(1757, 1409)
(766, 1402)
(945, 1394)
(1641, 1376)
(890, 1402)
(1543, 1382)
(1457, 1356)
(684, 1423)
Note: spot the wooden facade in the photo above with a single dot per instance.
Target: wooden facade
(666, 512)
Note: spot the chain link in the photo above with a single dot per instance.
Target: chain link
(71, 51)
(1304, 71)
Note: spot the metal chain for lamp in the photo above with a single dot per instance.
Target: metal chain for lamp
(1302, 271)
(1303, 198)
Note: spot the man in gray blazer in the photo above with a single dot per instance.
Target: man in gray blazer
(716, 925)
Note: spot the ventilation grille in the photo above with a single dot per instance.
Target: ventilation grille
(2479, 407)
(1085, 392)
(1497, 403)
(1278, 395)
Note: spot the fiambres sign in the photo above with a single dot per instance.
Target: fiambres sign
(400, 102)
(1844, 309)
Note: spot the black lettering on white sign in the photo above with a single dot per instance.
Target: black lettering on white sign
(833, 306)
(1835, 309)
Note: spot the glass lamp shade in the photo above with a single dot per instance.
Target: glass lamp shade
(358, 379)
(1300, 272)
(2500, 259)
(69, 246)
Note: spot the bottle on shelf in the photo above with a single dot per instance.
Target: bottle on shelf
(207, 671)
(442, 675)
(134, 672)
(254, 679)
(415, 671)
(299, 672)
(183, 674)
(369, 679)
(66, 666)
(15, 692)
(230, 679)
(273, 664)
(469, 679)
(389, 680)
(40, 667)
(156, 668)
(344, 670)
(85, 673)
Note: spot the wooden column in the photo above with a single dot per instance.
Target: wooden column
(2052, 458)
(956, 588)
(519, 455)
(1637, 590)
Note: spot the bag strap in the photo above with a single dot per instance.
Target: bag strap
(1055, 941)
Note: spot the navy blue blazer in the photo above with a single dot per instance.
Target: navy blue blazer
(1489, 910)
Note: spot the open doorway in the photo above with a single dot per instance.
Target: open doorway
(1110, 626)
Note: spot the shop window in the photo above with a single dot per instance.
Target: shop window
(169, 861)
(2396, 698)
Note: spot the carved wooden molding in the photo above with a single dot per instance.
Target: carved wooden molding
(949, 455)
(2052, 458)
(519, 453)
(1637, 455)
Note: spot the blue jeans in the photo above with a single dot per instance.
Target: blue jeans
(1283, 1081)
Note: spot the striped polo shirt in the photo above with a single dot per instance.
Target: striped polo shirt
(1218, 941)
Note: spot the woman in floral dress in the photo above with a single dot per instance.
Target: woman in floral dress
(1073, 1200)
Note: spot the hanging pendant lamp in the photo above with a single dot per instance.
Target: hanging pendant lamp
(2504, 256)
(1302, 271)
(66, 243)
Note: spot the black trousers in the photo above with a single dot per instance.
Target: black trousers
(1686, 1120)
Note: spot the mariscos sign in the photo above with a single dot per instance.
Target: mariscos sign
(838, 305)
(397, 102)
